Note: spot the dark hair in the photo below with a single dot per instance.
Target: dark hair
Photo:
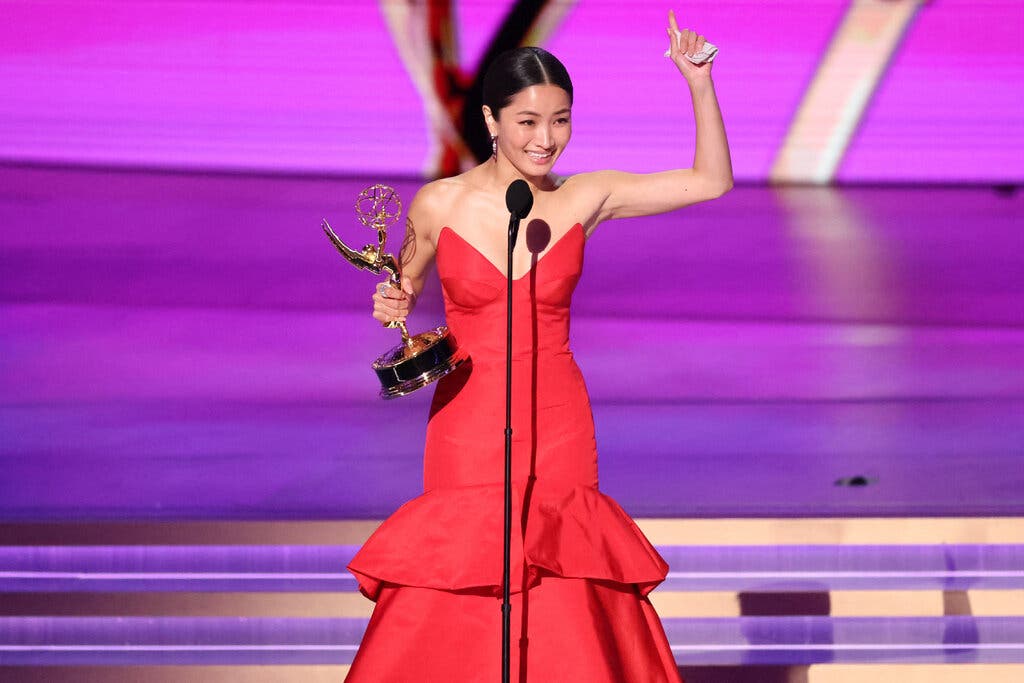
(518, 69)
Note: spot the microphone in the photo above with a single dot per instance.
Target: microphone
(519, 201)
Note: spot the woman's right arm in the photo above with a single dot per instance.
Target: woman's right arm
(415, 257)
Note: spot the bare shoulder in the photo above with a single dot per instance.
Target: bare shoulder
(591, 189)
(586, 193)
(433, 203)
(591, 181)
(435, 196)
(440, 191)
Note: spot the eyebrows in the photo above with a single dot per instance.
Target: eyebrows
(527, 112)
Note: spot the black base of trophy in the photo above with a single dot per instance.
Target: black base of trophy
(429, 356)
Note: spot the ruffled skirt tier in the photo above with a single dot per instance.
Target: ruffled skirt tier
(451, 539)
(581, 571)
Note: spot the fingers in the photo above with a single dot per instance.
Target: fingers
(387, 314)
(387, 291)
(683, 41)
(689, 42)
(390, 304)
(673, 35)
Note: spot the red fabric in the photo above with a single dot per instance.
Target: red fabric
(581, 567)
(575, 630)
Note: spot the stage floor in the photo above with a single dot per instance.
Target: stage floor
(189, 346)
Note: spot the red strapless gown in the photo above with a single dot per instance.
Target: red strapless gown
(581, 567)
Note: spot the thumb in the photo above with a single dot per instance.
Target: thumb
(407, 285)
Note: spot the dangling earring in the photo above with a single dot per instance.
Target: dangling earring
(494, 147)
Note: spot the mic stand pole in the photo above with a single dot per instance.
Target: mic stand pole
(506, 606)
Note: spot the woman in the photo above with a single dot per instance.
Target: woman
(581, 567)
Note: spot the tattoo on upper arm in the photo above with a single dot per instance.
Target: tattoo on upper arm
(408, 244)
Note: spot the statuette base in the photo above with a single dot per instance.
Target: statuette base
(427, 357)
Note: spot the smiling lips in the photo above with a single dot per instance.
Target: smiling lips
(539, 157)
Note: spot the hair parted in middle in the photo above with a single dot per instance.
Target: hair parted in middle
(518, 69)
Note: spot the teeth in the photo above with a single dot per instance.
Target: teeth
(537, 155)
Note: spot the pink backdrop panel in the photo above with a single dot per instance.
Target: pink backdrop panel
(292, 86)
(317, 86)
(951, 107)
(634, 109)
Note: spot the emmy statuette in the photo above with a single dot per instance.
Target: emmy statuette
(419, 359)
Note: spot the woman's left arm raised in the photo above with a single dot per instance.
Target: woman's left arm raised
(623, 195)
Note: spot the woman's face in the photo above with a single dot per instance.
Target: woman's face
(534, 128)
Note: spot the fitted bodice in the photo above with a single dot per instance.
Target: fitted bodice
(474, 297)
(465, 442)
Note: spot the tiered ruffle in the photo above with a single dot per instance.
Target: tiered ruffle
(451, 539)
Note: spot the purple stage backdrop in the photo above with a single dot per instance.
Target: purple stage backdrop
(888, 91)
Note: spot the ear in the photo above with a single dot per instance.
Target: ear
(490, 120)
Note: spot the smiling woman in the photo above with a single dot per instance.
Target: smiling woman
(540, 88)
(581, 569)
(538, 125)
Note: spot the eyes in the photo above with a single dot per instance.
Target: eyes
(560, 121)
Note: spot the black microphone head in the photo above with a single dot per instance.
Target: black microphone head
(518, 198)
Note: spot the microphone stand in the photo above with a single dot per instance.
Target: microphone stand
(506, 605)
(519, 202)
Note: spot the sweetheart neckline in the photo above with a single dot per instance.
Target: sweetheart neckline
(498, 270)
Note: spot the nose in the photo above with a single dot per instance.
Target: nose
(544, 136)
